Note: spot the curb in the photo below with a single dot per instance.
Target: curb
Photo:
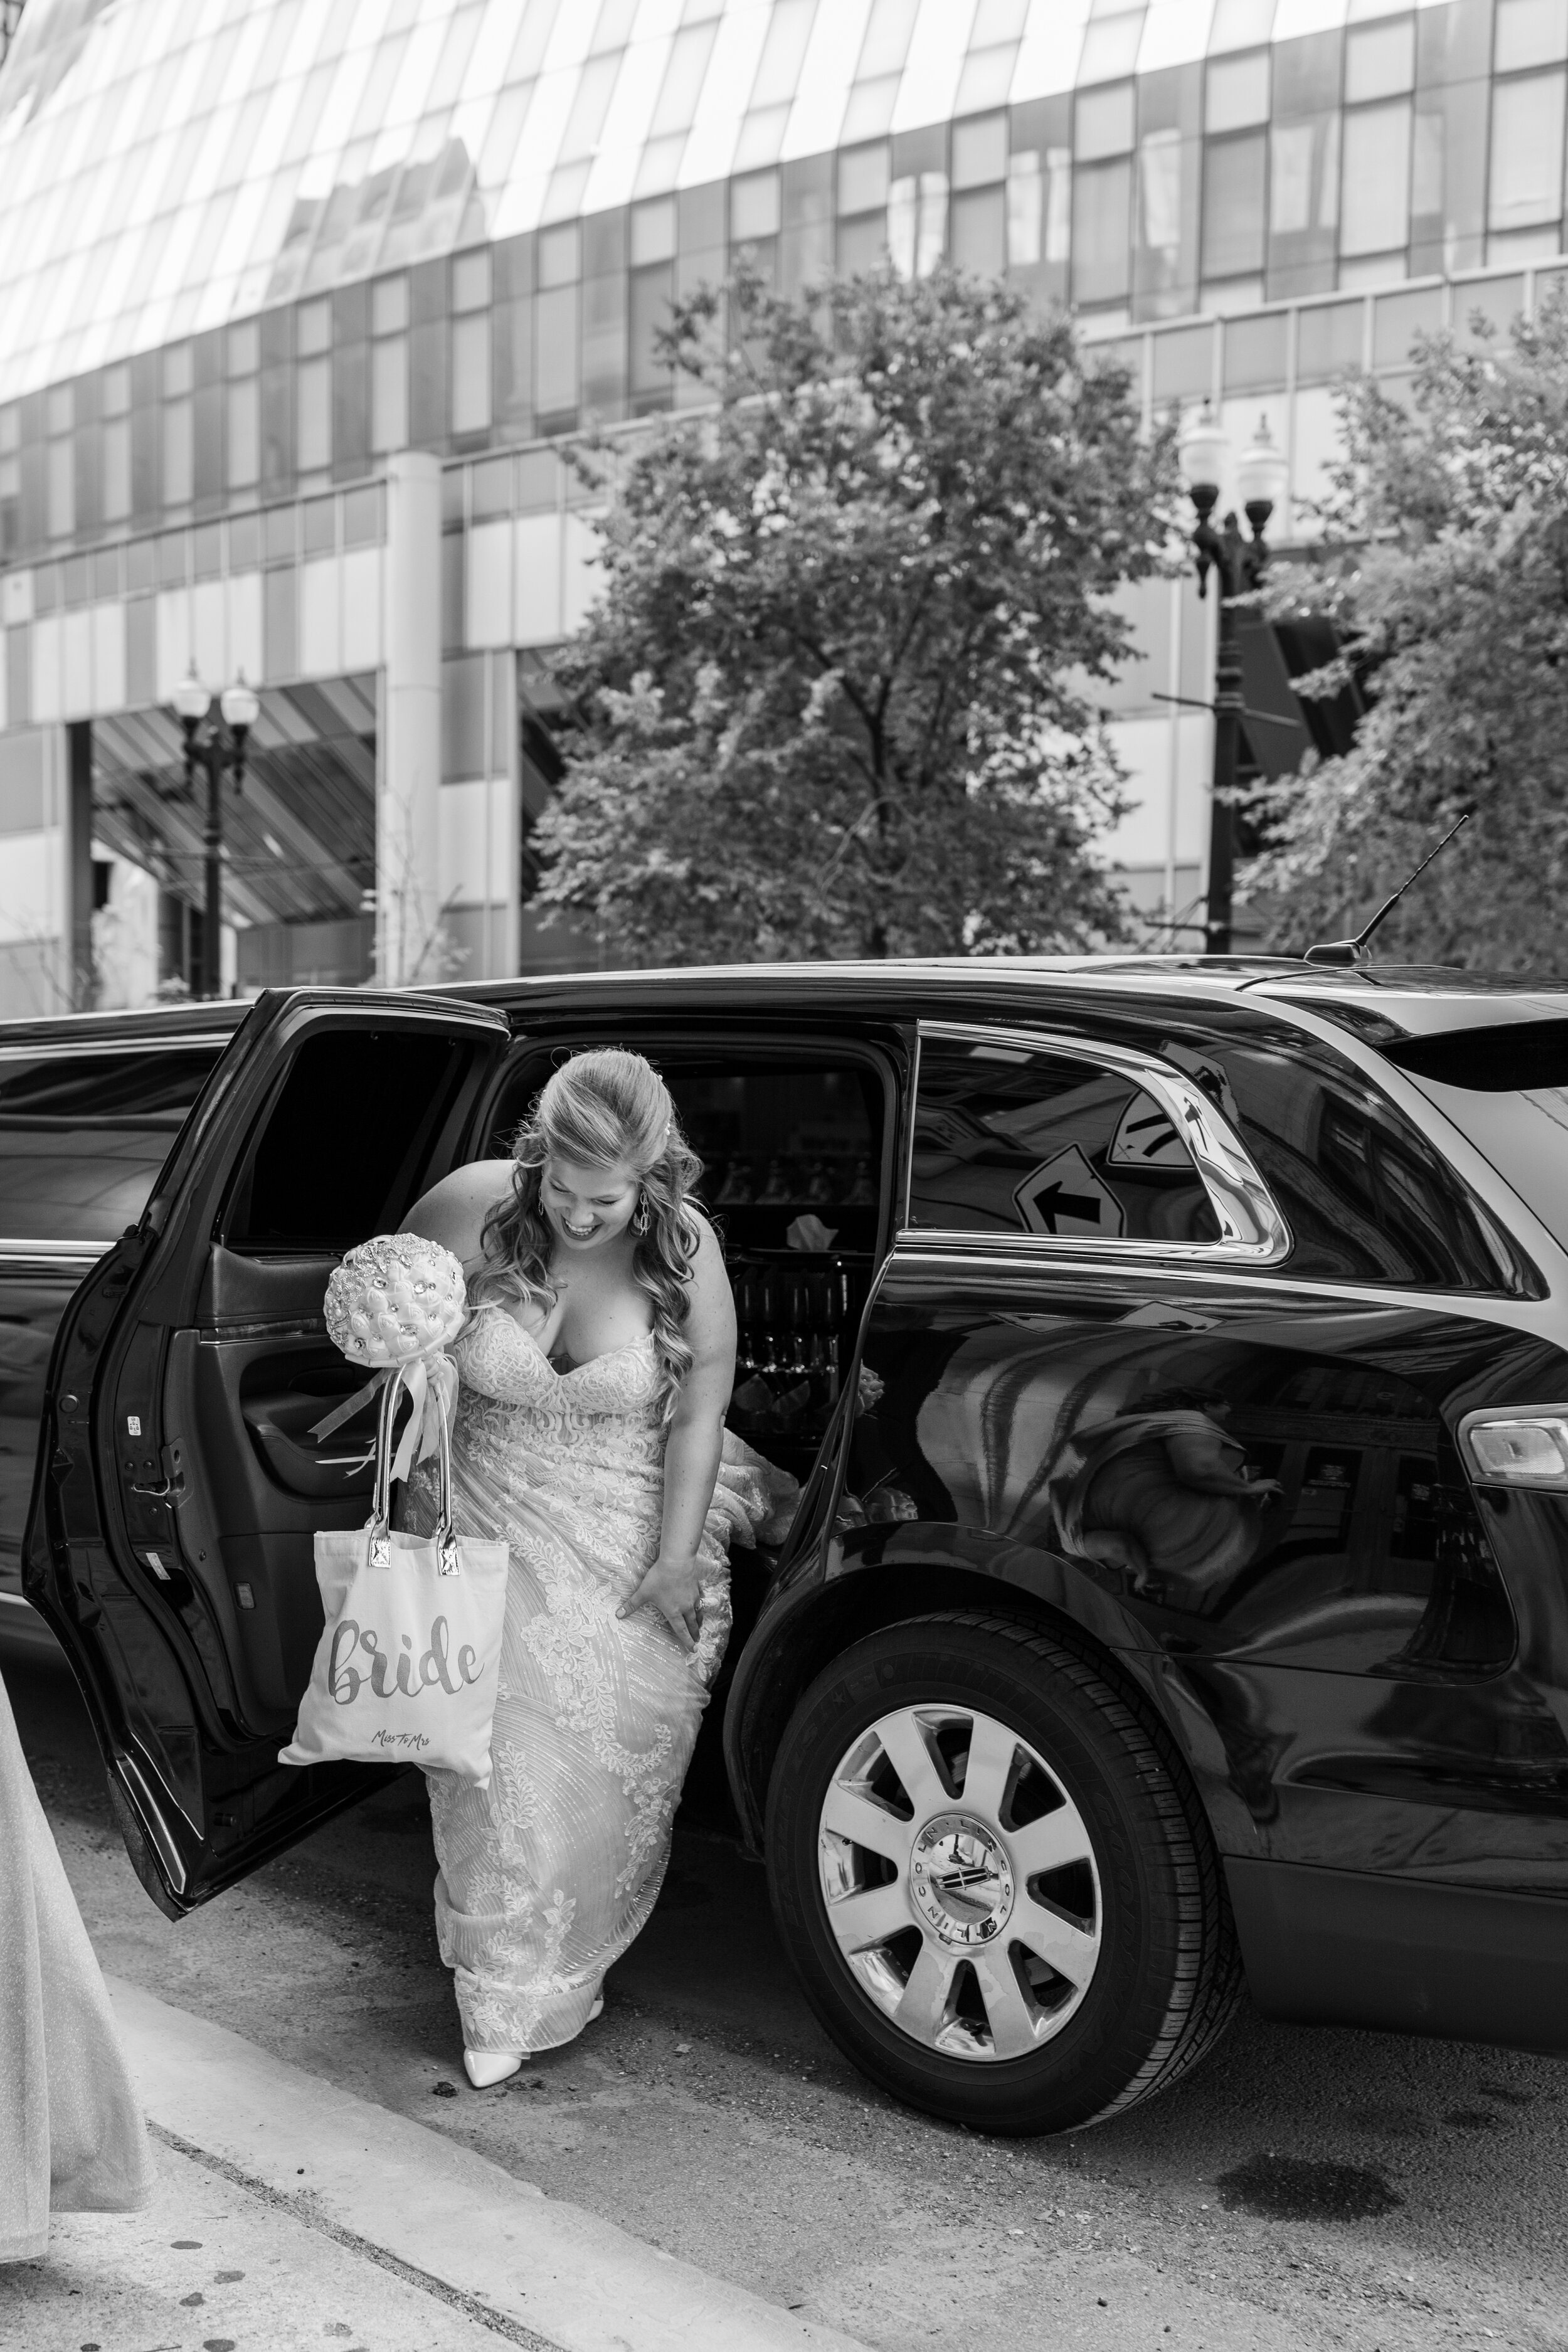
(433, 2205)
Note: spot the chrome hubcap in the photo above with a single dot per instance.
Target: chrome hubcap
(962, 1880)
(960, 1883)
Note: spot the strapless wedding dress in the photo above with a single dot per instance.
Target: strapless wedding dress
(547, 1875)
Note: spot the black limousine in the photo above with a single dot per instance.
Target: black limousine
(1175, 1357)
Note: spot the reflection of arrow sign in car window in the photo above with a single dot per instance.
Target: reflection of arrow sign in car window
(1065, 1196)
(1208, 1074)
(1146, 1137)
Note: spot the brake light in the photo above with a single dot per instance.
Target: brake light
(1526, 1448)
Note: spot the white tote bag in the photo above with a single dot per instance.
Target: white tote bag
(406, 1667)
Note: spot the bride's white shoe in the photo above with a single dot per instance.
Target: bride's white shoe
(487, 2066)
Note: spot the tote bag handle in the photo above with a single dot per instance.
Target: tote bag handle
(379, 1525)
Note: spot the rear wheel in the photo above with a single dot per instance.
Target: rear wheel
(993, 1880)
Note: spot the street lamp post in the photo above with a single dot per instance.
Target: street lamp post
(1239, 565)
(222, 746)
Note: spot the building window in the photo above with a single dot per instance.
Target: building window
(1026, 210)
(472, 373)
(555, 360)
(1375, 199)
(1530, 33)
(313, 328)
(389, 364)
(1160, 158)
(1235, 182)
(652, 293)
(1527, 152)
(178, 453)
(1237, 94)
(653, 232)
(863, 176)
(1101, 219)
(313, 415)
(389, 394)
(116, 468)
(754, 207)
(978, 231)
(917, 223)
(980, 151)
(60, 487)
(10, 479)
(1380, 59)
(560, 255)
(1102, 125)
(244, 461)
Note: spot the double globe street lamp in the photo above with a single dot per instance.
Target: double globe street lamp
(1262, 478)
(219, 744)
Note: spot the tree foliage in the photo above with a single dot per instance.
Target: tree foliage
(1446, 568)
(838, 696)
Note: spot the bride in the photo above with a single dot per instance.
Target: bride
(595, 1373)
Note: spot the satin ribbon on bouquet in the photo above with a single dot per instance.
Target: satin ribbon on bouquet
(431, 1381)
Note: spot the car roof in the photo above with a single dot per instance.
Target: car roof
(1379, 1002)
(205, 1023)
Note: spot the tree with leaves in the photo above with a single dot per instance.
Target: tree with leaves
(1445, 568)
(838, 696)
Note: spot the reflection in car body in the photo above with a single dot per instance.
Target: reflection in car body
(1173, 1355)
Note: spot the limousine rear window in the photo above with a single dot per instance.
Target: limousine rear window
(1009, 1140)
(82, 1137)
(1505, 1088)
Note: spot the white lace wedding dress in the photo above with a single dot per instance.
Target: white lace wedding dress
(548, 1874)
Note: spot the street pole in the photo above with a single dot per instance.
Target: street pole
(222, 745)
(1238, 566)
(1227, 705)
(212, 846)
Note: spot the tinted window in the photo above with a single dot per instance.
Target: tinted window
(1507, 1089)
(82, 1137)
(342, 1149)
(777, 1144)
(778, 1138)
(1009, 1140)
(1367, 1197)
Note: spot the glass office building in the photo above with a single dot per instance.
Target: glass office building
(300, 301)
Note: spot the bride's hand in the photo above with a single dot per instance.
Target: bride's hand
(672, 1586)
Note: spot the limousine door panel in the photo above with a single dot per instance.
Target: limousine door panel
(170, 1542)
(1261, 1487)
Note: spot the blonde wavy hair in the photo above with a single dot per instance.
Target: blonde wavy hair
(598, 1109)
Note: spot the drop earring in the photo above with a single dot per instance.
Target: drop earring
(641, 1220)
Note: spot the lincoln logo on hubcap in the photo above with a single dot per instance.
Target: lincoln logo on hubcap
(962, 1880)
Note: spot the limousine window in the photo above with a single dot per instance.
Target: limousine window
(82, 1137)
(1013, 1140)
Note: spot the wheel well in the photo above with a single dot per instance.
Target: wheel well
(848, 1611)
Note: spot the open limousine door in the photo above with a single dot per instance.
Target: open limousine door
(169, 1543)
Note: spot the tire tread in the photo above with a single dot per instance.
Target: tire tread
(1205, 1974)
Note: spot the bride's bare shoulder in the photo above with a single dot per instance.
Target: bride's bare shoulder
(453, 1211)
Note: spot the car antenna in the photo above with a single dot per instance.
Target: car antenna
(1352, 951)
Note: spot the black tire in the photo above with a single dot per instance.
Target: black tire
(1167, 1977)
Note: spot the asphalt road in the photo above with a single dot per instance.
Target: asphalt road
(1307, 2188)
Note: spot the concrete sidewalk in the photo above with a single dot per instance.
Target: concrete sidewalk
(378, 2210)
(209, 2263)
